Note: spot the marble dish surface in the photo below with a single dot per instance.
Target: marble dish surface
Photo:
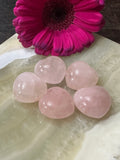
(26, 134)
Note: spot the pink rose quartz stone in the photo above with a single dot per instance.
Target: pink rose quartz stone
(28, 88)
(57, 103)
(94, 101)
(80, 75)
(51, 70)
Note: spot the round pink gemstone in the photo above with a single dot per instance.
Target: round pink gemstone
(94, 101)
(80, 75)
(28, 88)
(57, 103)
(51, 70)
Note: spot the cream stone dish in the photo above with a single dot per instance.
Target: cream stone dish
(25, 134)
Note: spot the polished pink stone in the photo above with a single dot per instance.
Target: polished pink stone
(51, 70)
(94, 101)
(80, 75)
(57, 103)
(28, 88)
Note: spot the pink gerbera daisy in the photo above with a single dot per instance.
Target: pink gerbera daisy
(59, 27)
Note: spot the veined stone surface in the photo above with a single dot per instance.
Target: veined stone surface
(26, 134)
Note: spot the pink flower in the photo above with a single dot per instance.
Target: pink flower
(59, 27)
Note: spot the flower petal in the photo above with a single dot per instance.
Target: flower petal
(72, 40)
(53, 53)
(27, 20)
(83, 38)
(68, 42)
(39, 37)
(25, 11)
(25, 43)
(19, 3)
(57, 42)
(26, 32)
(90, 37)
(88, 27)
(74, 1)
(63, 43)
(73, 31)
(90, 17)
(47, 42)
(30, 26)
(42, 52)
(25, 36)
(89, 5)
(44, 40)
(36, 4)
(27, 29)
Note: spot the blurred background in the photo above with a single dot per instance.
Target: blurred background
(111, 13)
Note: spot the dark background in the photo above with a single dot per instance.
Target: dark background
(111, 13)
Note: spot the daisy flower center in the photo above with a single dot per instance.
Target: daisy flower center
(58, 14)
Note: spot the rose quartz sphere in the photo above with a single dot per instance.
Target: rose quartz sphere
(94, 101)
(57, 103)
(51, 70)
(28, 88)
(80, 75)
